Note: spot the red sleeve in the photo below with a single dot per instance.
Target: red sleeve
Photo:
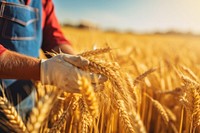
(2, 49)
(52, 34)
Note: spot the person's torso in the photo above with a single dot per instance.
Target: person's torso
(20, 28)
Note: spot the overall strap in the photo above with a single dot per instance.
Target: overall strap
(21, 1)
(20, 31)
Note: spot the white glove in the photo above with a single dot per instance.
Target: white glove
(63, 70)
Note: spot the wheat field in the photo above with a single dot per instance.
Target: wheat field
(153, 87)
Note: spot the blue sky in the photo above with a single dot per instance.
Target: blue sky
(136, 15)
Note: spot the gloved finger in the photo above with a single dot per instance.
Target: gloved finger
(98, 87)
(76, 60)
(71, 88)
(98, 78)
(74, 90)
(94, 78)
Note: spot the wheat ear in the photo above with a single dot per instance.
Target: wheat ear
(171, 115)
(191, 99)
(160, 109)
(86, 119)
(143, 75)
(58, 124)
(113, 76)
(12, 116)
(123, 115)
(95, 52)
(89, 96)
(40, 112)
(196, 108)
(138, 126)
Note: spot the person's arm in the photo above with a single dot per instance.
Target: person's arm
(64, 48)
(61, 70)
(53, 38)
(18, 66)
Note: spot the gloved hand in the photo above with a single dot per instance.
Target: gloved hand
(63, 70)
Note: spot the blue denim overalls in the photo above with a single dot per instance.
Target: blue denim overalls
(20, 31)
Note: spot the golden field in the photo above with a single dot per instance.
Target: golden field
(153, 87)
(171, 55)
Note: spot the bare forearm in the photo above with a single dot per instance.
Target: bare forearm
(65, 49)
(17, 66)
